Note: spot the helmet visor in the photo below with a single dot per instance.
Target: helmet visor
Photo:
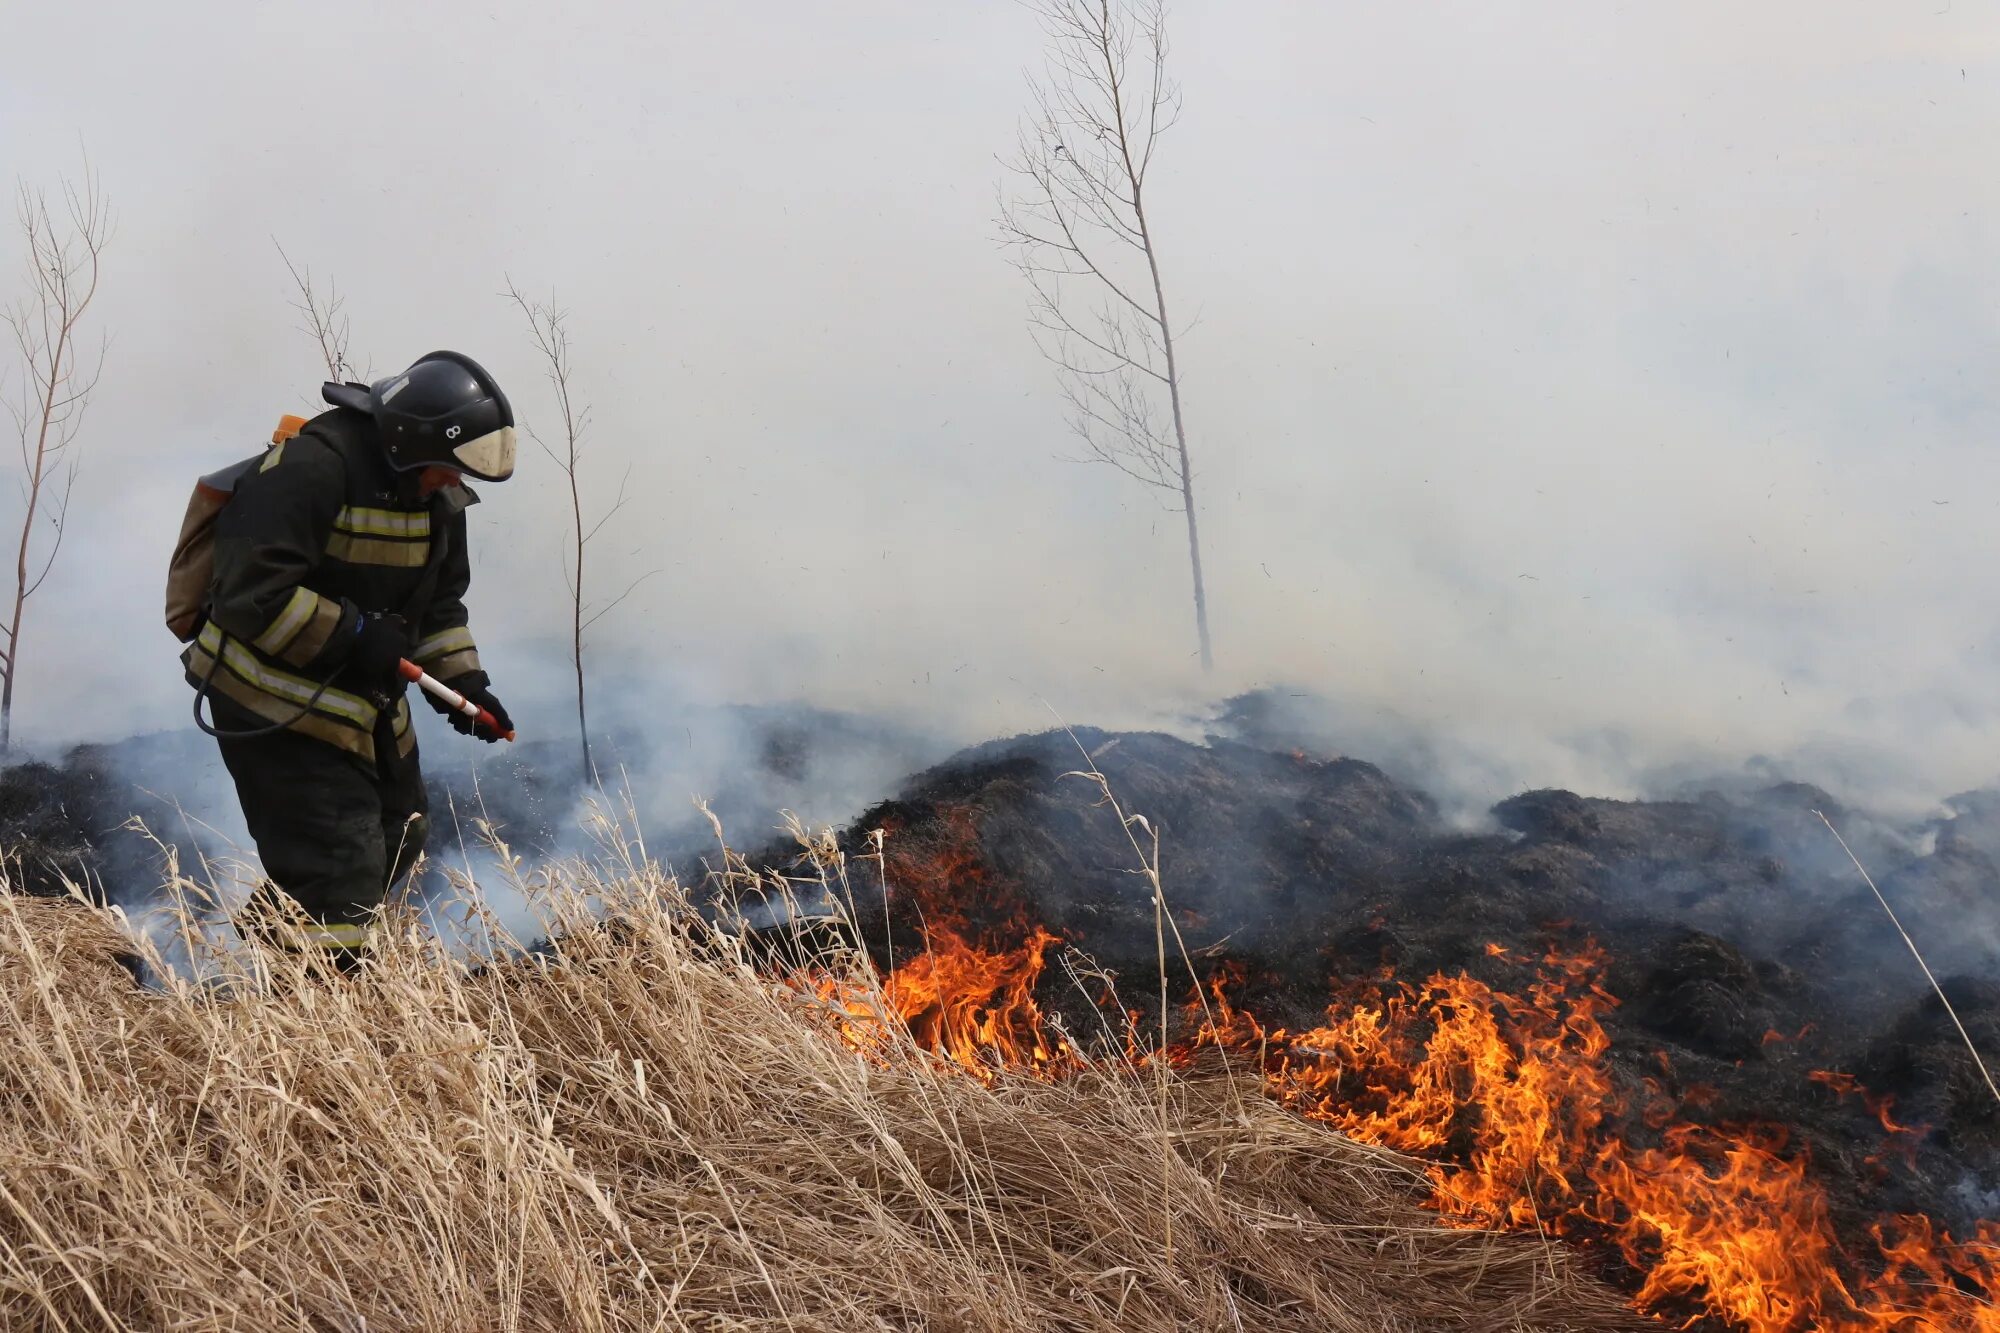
(490, 457)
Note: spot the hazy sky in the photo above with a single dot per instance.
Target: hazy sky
(1562, 370)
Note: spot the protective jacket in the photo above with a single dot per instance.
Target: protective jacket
(320, 532)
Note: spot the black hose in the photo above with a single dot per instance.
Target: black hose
(208, 678)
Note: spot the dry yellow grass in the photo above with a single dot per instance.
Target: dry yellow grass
(642, 1131)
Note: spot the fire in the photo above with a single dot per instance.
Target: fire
(1728, 1224)
(1902, 1139)
(1514, 1090)
(1930, 1281)
(1880, 1107)
(977, 1006)
(1508, 1098)
(973, 1006)
(962, 997)
(1732, 1227)
(1511, 1102)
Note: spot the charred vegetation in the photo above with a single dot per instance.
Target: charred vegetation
(1749, 996)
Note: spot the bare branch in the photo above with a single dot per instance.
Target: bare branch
(620, 597)
(569, 576)
(57, 520)
(1078, 223)
(1071, 244)
(541, 444)
(616, 505)
(1050, 319)
(63, 268)
(549, 327)
(326, 322)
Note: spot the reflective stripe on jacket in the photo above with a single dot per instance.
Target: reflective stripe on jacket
(338, 717)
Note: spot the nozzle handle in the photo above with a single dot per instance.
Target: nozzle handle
(451, 698)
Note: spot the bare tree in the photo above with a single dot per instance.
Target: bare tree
(325, 315)
(549, 326)
(64, 248)
(1084, 241)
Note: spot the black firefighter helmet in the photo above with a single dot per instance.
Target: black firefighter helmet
(444, 411)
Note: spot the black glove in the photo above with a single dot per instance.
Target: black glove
(473, 686)
(381, 642)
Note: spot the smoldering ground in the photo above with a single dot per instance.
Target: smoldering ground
(1737, 853)
(1741, 955)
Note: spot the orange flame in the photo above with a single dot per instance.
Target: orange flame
(1516, 1091)
(1510, 1100)
(963, 998)
(976, 1006)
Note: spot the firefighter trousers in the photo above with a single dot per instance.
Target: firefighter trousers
(335, 832)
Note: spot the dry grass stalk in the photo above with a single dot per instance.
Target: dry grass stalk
(1916, 953)
(641, 1129)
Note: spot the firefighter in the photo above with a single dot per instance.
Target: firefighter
(340, 554)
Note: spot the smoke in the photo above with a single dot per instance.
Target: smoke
(668, 773)
(1605, 393)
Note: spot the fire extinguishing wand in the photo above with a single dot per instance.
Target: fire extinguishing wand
(451, 698)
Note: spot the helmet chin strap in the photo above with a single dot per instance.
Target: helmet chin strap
(410, 486)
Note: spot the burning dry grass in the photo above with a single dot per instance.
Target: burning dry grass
(640, 1130)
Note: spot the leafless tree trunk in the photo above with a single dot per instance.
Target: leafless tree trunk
(325, 317)
(549, 326)
(1082, 237)
(64, 248)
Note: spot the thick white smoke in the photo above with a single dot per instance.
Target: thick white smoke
(1603, 388)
